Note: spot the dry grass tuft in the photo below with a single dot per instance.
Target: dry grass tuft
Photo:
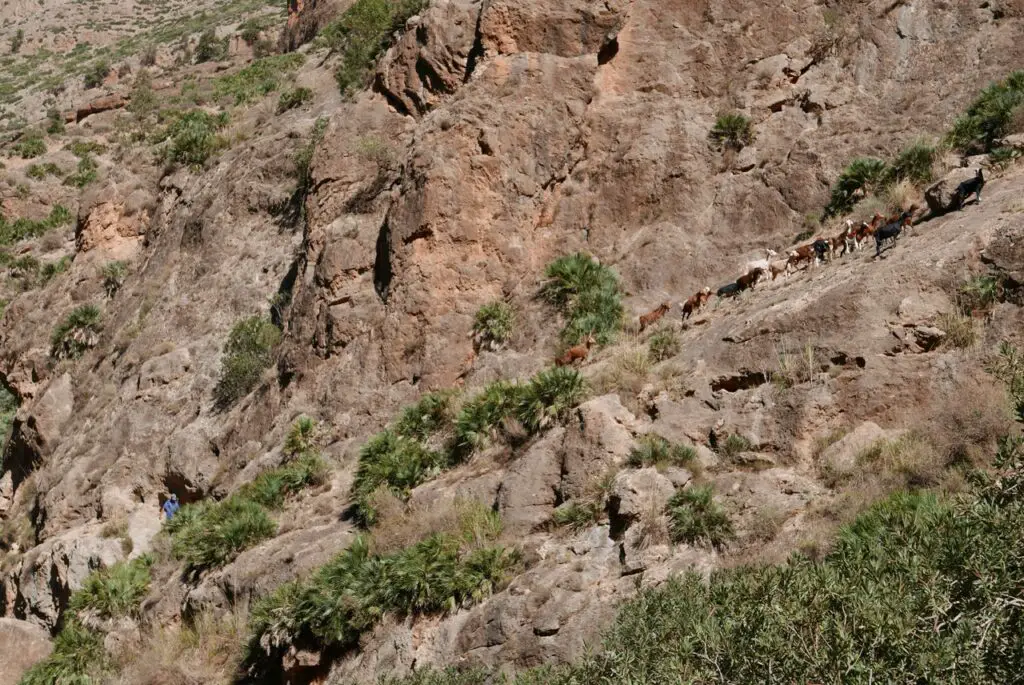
(902, 196)
(399, 526)
(960, 331)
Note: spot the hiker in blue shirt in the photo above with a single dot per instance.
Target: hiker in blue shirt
(171, 506)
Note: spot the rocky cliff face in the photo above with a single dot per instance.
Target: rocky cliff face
(497, 136)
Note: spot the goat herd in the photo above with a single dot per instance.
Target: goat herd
(853, 239)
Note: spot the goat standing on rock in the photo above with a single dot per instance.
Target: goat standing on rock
(695, 302)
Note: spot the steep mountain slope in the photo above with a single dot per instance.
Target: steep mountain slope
(496, 137)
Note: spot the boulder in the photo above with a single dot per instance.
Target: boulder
(165, 368)
(22, 646)
(601, 439)
(530, 489)
(941, 195)
(35, 432)
(635, 493)
(840, 458)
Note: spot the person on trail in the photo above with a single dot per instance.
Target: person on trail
(171, 506)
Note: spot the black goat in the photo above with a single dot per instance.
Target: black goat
(967, 188)
(891, 231)
(730, 290)
(822, 248)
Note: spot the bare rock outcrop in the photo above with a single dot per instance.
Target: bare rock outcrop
(941, 195)
(22, 645)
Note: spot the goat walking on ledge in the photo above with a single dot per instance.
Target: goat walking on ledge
(576, 352)
(695, 303)
(653, 316)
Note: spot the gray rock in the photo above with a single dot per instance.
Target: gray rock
(601, 439)
(941, 195)
(165, 368)
(636, 493)
(22, 645)
(529, 491)
(840, 458)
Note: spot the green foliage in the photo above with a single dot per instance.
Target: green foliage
(1003, 157)
(271, 488)
(493, 324)
(1008, 366)
(430, 415)
(78, 332)
(296, 97)
(85, 173)
(251, 29)
(734, 444)
(261, 77)
(84, 148)
(301, 437)
(210, 534)
(30, 145)
(732, 130)
(394, 462)
(17, 40)
(97, 73)
(113, 274)
(210, 48)
(549, 397)
(350, 594)
(41, 171)
(588, 294)
(193, 137)
(989, 117)
(694, 518)
(8, 408)
(864, 174)
(653, 450)
(52, 269)
(577, 516)
(664, 344)
(78, 658)
(303, 161)
(114, 591)
(914, 163)
(248, 352)
(363, 32)
(54, 122)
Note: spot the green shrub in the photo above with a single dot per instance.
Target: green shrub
(664, 344)
(734, 444)
(732, 130)
(1008, 366)
(97, 73)
(588, 294)
(301, 437)
(430, 415)
(41, 171)
(17, 40)
(914, 163)
(251, 29)
(980, 293)
(247, 354)
(989, 117)
(193, 137)
(493, 324)
(52, 269)
(271, 488)
(78, 332)
(55, 122)
(653, 450)
(296, 97)
(363, 32)
(395, 462)
(8, 408)
(549, 397)
(210, 534)
(346, 597)
(30, 145)
(481, 416)
(210, 48)
(78, 658)
(113, 274)
(577, 516)
(147, 57)
(84, 148)
(694, 518)
(114, 591)
(261, 77)
(865, 175)
(84, 174)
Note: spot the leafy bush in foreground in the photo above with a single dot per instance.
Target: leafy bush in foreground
(917, 590)
(78, 658)
(248, 352)
(588, 294)
(114, 591)
(347, 596)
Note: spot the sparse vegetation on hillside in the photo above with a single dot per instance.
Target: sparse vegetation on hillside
(261, 77)
(653, 450)
(914, 163)
(113, 274)
(588, 295)
(990, 117)
(30, 145)
(115, 591)
(296, 97)
(695, 518)
(863, 175)
(210, 48)
(493, 324)
(193, 137)
(78, 657)
(85, 172)
(348, 596)
(8, 408)
(732, 130)
(21, 229)
(97, 73)
(395, 462)
(363, 32)
(78, 332)
(17, 40)
(664, 344)
(247, 354)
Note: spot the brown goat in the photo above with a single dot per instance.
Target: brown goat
(652, 316)
(695, 303)
(576, 352)
(747, 280)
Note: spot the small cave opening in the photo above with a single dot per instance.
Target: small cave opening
(382, 272)
(608, 50)
(744, 380)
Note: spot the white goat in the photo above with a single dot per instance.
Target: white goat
(763, 264)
